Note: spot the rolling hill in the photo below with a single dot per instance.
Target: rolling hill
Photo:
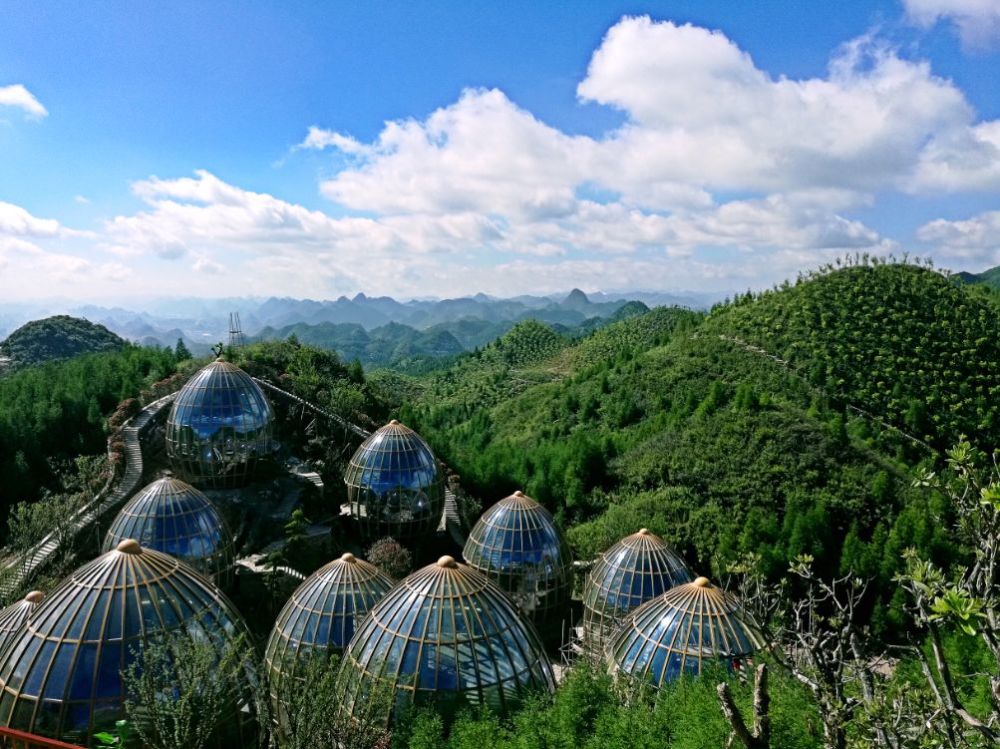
(737, 431)
(59, 337)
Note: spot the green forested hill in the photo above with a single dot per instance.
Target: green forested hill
(990, 277)
(59, 337)
(901, 341)
(51, 413)
(689, 425)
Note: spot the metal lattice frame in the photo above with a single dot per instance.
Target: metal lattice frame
(322, 614)
(61, 675)
(679, 631)
(445, 634)
(637, 569)
(13, 617)
(394, 484)
(172, 516)
(517, 545)
(219, 427)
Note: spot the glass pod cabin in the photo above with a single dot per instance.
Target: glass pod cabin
(680, 631)
(517, 544)
(445, 635)
(219, 428)
(394, 484)
(60, 676)
(638, 568)
(172, 516)
(322, 615)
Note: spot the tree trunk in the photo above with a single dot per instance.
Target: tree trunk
(760, 736)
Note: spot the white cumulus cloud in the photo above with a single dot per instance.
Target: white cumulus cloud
(975, 239)
(16, 95)
(977, 21)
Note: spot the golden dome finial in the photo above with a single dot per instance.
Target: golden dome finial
(129, 546)
(447, 561)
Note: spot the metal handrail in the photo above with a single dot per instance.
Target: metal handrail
(11, 738)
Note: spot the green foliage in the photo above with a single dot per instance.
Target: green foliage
(318, 376)
(119, 737)
(182, 690)
(308, 713)
(901, 341)
(683, 424)
(59, 337)
(181, 351)
(54, 412)
(587, 713)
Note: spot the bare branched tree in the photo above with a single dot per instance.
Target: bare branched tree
(819, 637)
(967, 600)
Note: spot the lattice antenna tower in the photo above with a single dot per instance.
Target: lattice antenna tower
(236, 337)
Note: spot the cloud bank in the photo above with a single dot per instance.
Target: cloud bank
(720, 176)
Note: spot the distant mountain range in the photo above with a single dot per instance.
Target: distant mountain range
(990, 277)
(409, 348)
(468, 321)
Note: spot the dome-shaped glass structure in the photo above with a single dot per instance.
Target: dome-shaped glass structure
(173, 517)
(219, 427)
(516, 544)
(323, 613)
(445, 634)
(60, 676)
(678, 631)
(394, 484)
(13, 617)
(636, 569)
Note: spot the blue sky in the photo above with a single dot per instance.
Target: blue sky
(315, 149)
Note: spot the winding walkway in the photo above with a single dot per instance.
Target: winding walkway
(115, 494)
(267, 385)
(104, 501)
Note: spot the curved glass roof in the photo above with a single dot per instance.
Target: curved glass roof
(517, 544)
(676, 632)
(173, 517)
(394, 484)
(445, 634)
(324, 611)
(219, 425)
(634, 570)
(13, 617)
(60, 675)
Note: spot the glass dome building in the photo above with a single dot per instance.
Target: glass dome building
(445, 634)
(394, 484)
(219, 426)
(323, 613)
(173, 517)
(636, 569)
(13, 617)
(517, 545)
(677, 632)
(60, 676)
